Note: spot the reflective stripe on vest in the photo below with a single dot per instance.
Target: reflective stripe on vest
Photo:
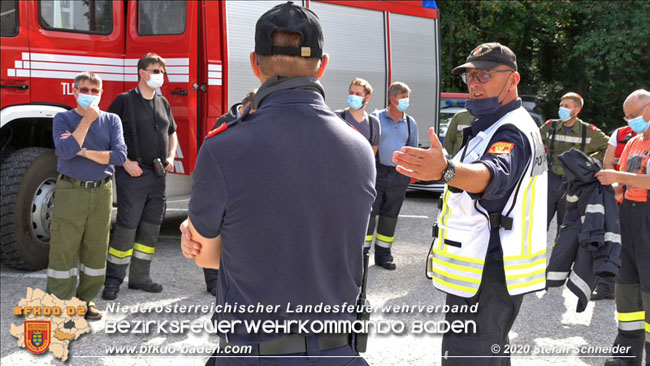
(525, 273)
(571, 139)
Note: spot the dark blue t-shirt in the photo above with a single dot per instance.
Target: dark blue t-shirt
(104, 134)
(505, 169)
(289, 189)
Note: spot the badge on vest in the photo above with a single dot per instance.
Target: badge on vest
(501, 148)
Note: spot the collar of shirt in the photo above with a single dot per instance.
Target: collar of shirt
(278, 83)
(291, 96)
(385, 116)
(576, 129)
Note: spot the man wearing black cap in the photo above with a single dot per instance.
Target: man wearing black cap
(490, 245)
(288, 190)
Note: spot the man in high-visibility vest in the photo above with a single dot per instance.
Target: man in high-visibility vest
(488, 250)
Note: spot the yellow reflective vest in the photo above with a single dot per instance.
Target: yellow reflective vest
(457, 256)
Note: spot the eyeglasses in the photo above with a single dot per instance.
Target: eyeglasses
(634, 115)
(482, 76)
(156, 71)
(85, 90)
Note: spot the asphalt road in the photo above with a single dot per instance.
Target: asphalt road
(547, 323)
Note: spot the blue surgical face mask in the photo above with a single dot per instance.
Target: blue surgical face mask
(403, 104)
(85, 100)
(564, 114)
(639, 124)
(485, 107)
(355, 102)
(480, 108)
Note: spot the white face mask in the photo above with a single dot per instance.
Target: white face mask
(155, 81)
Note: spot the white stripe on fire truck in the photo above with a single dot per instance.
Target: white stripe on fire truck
(176, 61)
(53, 66)
(215, 74)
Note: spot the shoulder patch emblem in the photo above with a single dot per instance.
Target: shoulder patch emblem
(549, 122)
(592, 127)
(222, 127)
(501, 147)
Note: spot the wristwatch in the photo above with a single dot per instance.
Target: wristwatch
(449, 173)
(83, 152)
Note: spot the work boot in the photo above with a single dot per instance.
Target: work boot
(213, 290)
(139, 278)
(147, 286)
(110, 292)
(383, 258)
(387, 265)
(92, 314)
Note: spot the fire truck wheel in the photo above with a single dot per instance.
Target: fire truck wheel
(28, 179)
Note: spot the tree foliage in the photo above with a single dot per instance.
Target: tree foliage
(595, 48)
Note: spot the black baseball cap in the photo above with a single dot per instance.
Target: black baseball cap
(289, 18)
(488, 56)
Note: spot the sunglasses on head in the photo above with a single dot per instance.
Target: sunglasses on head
(85, 90)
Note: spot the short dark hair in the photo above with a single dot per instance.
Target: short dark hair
(288, 66)
(150, 59)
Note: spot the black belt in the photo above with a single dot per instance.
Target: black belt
(86, 183)
(627, 202)
(295, 343)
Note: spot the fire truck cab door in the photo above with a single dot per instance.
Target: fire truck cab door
(169, 29)
(15, 81)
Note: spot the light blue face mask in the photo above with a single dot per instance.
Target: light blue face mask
(355, 102)
(403, 104)
(639, 124)
(564, 114)
(85, 100)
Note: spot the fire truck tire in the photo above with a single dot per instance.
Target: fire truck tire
(28, 180)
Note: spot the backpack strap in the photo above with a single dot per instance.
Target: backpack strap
(408, 126)
(583, 144)
(134, 130)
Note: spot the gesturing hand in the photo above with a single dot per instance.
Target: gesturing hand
(423, 164)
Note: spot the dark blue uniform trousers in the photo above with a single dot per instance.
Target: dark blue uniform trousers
(391, 188)
(311, 357)
(496, 314)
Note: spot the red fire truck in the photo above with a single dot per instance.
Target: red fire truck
(44, 44)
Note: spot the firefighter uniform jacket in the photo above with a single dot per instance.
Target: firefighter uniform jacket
(589, 240)
(581, 134)
(458, 253)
